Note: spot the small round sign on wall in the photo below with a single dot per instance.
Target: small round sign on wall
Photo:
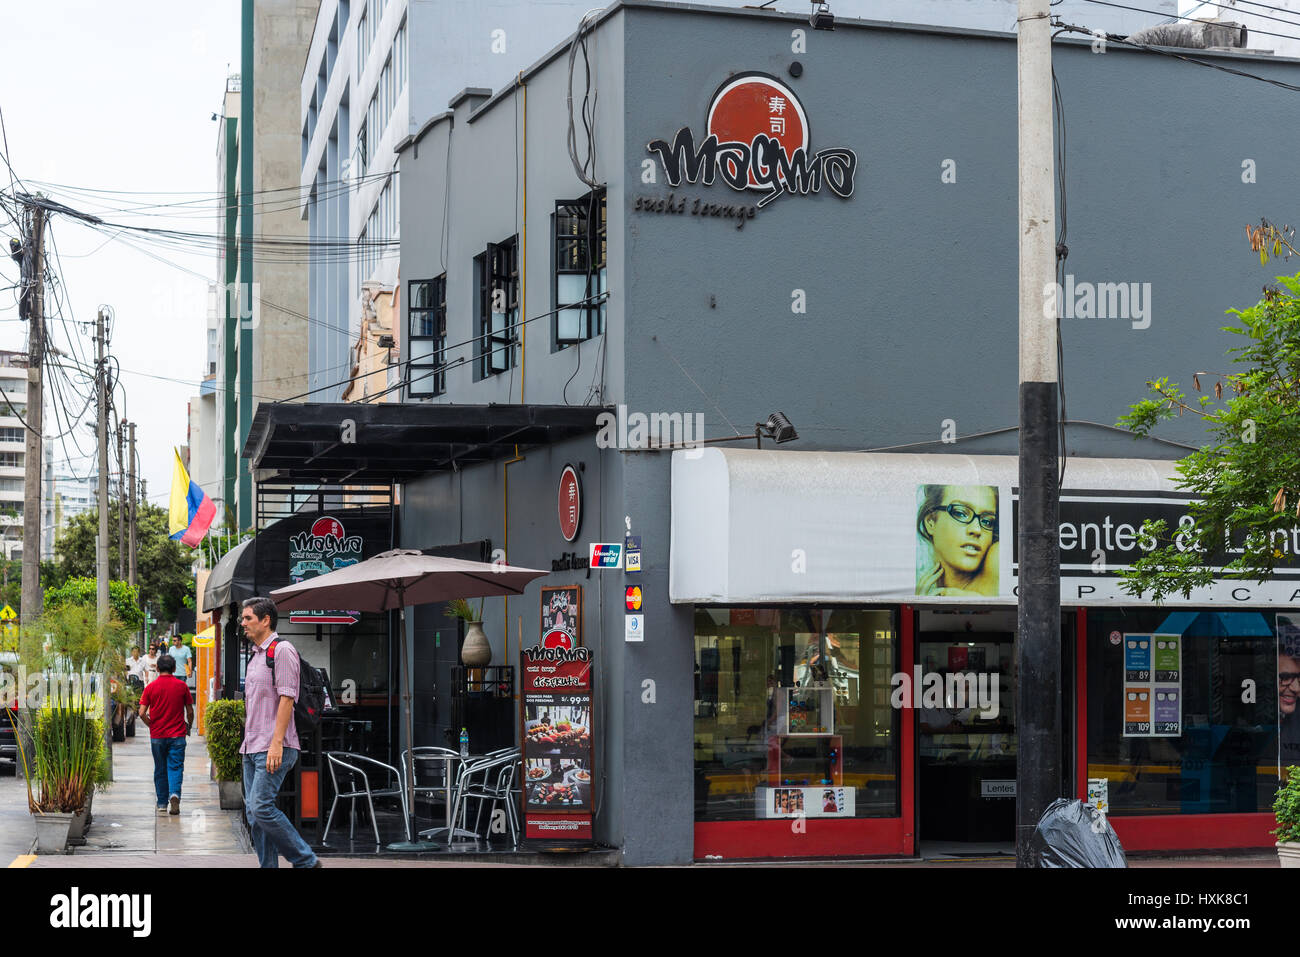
(569, 503)
(1116, 637)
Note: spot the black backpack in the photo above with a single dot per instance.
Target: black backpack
(310, 702)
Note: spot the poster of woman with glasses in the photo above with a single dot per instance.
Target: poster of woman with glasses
(1288, 690)
(957, 540)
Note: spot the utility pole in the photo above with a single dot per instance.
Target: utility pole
(132, 472)
(121, 506)
(1038, 639)
(101, 556)
(32, 600)
(101, 382)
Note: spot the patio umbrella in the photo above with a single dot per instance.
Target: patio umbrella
(394, 580)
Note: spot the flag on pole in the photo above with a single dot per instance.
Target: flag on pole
(191, 511)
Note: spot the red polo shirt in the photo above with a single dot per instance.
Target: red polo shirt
(166, 697)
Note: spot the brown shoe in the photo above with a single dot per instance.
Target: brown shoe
(174, 804)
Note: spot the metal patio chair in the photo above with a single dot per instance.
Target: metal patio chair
(355, 770)
(487, 780)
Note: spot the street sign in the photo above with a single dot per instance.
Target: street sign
(7, 614)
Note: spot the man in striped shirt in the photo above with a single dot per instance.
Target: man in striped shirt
(270, 745)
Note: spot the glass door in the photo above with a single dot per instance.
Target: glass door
(966, 736)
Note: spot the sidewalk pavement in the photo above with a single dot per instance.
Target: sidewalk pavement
(125, 822)
(128, 832)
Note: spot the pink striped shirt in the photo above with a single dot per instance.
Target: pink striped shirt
(261, 701)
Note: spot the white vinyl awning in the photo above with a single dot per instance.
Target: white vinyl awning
(760, 526)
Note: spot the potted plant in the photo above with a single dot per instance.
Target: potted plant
(223, 724)
(1286, 811)
(63, 722)
(475, 652)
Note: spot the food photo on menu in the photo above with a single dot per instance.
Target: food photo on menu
(557, 783)
(556, 730)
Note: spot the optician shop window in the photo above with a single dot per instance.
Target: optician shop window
(1184, 710)
(792, 713)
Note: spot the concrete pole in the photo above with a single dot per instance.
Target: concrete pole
(1038, 639)
(33, 598)
(121, 507)
(131, 470)
(101, 551)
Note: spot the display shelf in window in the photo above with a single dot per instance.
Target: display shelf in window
(807, 711)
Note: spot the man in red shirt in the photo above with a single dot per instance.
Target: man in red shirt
(161, 704)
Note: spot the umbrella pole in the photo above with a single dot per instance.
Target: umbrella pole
(411, 843)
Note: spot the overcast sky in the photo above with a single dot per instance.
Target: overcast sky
(119, 96)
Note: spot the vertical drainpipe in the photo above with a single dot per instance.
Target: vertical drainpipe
(245, 259)
(523, 368)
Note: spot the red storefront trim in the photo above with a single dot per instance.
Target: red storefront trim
(1081, 701)
(857, 837)
(907, 721)
(1193, 832)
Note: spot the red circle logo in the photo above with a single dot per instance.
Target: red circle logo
(755, 104)
(558, 638)
(327, 528)
(569, 503)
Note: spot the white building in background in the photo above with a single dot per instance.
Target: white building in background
(13, 450)
(377, 70)
(1273, 25)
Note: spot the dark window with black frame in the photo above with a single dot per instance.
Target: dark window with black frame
(498, 306)
(427, 329)
(580, 268)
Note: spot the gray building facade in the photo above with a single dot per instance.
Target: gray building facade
(874, 302)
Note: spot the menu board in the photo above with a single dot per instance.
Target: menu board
(557, 744)
(1153, 686)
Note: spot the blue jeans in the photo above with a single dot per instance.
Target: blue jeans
(273, 835)
(168, 766)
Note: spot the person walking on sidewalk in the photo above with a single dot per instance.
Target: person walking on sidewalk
(162, 704)
(270, 745)
(184, 660)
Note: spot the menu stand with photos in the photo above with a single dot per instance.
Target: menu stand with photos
(557, 744)
(805, 758)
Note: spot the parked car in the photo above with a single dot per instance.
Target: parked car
(8, 746)
(124, 717)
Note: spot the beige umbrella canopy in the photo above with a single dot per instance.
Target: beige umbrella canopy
(402, 577)
(393, 580)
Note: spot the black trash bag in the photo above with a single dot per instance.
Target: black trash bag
(1072, 833)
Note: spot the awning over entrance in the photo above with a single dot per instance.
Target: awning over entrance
(343, 442)
(232, 578)
(760, 526)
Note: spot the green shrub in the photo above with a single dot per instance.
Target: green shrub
(224, 726)
(1286, 807)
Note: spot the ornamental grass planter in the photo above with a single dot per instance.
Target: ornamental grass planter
(52, 829)
(230, 795)
(77, 829)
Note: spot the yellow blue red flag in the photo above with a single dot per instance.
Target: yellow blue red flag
(191, 512)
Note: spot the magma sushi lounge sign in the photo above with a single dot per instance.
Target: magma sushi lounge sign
(757, 138)
(557, 745)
